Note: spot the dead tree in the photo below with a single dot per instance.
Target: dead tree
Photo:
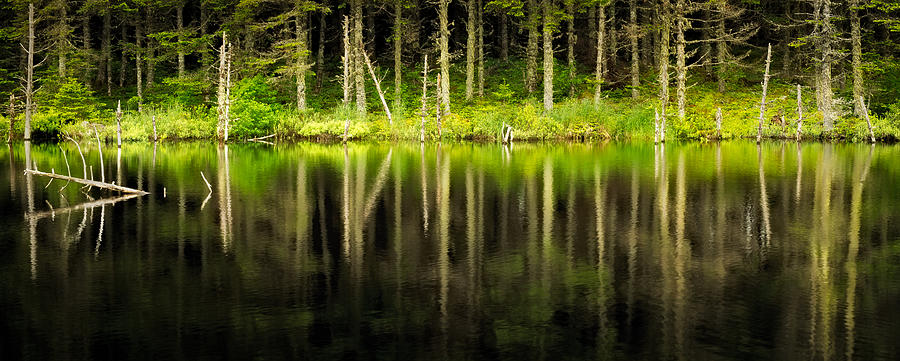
(224, 90)
(598, 70)
(387, 110)
(12, 116)
(549, 29)
(799, 112)
(345, 62)
(119, 124)
(444, 40)
(762, 104)
(29, 74)
(424, 98)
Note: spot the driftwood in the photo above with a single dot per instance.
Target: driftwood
(88, 182)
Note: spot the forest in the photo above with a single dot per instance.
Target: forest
(476, 69)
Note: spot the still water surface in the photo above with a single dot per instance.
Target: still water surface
(457, 251)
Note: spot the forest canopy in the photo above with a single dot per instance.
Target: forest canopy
(451, 68)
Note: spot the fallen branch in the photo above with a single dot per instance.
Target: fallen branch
(387, 110)
(88, 182)
(261, 138)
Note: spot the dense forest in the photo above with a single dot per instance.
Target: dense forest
(475, 69)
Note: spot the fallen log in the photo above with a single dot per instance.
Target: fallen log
(88, 182)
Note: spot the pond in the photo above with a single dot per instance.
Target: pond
(454, 251)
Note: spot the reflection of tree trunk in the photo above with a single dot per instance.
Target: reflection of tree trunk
(549, 210)
(224, 193)
(32, 222)
(764, 199)
(682, 257)
(302, 213)
(633, 247)
(443, 190)
(424, 190)
(858, 181)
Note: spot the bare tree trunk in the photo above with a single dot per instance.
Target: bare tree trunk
(470, 49)
(29, 75)
(387, 110)
(680, 66)
(346, 61)
(721, 48)
(598, 67)
(663, 60)
(62, 35)
(799, 112)
(531, 51)
(762, 104)
(119, 125)
(504, 37)
(107, 51)
(179, 18)
(445, 54)
(424, 98)
(635, 56)
(479, 27)
(825, 40)
(222, 93)
(866, 117)
(570, 50)
(856, 44)
(12, 117)
(302, 51)
(358, 62)
(549, 25)
(320, 56)
(138, 40)
(612, 35)
(398, 51)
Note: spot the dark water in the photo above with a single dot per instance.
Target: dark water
(460, 251)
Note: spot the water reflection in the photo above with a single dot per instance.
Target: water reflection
(456, 251)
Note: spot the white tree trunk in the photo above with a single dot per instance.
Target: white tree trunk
(635, 56)
(445, 54)
(548, 55)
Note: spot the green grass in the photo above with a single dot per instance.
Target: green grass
(262, 106)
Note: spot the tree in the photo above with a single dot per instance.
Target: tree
(444, 30)
(357, 50)
(633, 31)
(29, 73)
(471, 52)
(550, 24)
(531, 52)
(856, 52)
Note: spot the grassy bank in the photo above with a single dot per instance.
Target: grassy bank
(260, 108)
